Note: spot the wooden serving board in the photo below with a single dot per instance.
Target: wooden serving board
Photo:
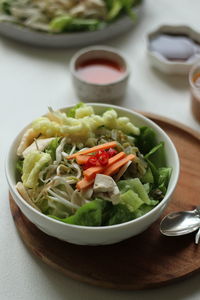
(145, 261)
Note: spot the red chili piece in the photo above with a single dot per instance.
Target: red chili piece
(93, 161)
(103, 158)
(86, 166)
(111, 152)
(100, 158)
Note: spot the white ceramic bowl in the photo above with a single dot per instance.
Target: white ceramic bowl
(172, 66)
(97, 235)
(86, 90)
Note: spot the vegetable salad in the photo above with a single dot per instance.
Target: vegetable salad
(92, 170)
(57, 16)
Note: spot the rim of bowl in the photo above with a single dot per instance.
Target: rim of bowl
(91, 228)
(109, 49)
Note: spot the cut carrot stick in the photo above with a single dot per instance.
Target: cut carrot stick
(93, 149)
(84, 183)
(115, 167)
(92, 171)
(82, 159)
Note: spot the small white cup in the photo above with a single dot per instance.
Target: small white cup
(98, 92)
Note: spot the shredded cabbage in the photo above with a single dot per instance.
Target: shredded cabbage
(33, 163)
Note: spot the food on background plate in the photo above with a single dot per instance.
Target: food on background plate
(92, 170)
(57, 16)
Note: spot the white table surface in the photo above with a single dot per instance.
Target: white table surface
(32, 79)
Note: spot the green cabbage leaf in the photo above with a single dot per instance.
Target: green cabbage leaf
(33, 164)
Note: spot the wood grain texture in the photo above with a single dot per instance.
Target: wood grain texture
(145, 261)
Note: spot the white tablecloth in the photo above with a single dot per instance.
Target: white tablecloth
(33, 79)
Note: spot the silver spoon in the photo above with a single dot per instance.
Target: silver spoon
(180, 223)
(197, 237)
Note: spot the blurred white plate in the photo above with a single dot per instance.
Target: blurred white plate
(67, 40)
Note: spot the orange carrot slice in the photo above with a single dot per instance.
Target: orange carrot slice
(84, 183)
(115, 167)
(93, 149)
(92, 171)
(82, 159)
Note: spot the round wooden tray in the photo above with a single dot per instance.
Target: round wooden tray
(145, 261)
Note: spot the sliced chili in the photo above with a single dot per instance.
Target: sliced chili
(111, 152)
(103, 158)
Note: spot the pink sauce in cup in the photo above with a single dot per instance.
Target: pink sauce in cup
(100, 71)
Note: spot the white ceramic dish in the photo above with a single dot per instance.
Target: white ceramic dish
(99, 92)
(67, 40)
(97, 235)
(165, 65)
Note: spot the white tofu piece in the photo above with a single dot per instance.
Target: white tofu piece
(39, 144)
(106, 188)
(103, 183)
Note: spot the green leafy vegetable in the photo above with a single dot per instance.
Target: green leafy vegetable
(80, 24)
(119, 214)
(128, 5)
(19, 169)
(54, 208)
(131, 200)
(69, 23)
(154, 171)
(99, 213)
(51, 149)
(19, 166)
(148, 176)
(115, 8)
(136, 186)
(156, 155)
(5, 5)
(135, 196)
(164, 177)
(144, 209)
(146, 140)
(161, 180)
(90, 214)
(60, 23)
(155, 149)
